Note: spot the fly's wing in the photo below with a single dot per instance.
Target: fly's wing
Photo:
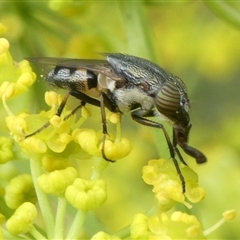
(98, 66)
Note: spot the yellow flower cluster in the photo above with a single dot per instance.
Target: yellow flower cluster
(176, 226)
(167, 185)
(15, 78)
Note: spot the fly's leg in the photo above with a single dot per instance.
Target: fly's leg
(104, 127)
(58, 113)
(104, 101)
(84, 99)
(180, 137)
(139, 116)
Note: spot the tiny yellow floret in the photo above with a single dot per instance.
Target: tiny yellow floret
(88, 140)
(86, 194)
(114, 117)
(54, 162)
(139, 227)
(20, 190)
(22, 219)
(117, 150)
(56, 182)
(229, 215)
(51, 98)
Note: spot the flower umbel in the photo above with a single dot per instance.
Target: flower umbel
(176, 226)
(15, 78)
(167, 185)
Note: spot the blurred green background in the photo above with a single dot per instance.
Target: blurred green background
(197, 41)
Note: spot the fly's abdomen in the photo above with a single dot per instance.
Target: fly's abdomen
(72, 79)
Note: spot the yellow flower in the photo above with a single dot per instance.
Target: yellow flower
(86, 194)
(23, 218)
(19, 190)
(51, 162)
(15, 78)
(167, 185)
(176, 226)
(56, 182)
(88, 140)
(115, 150)
(227, 216)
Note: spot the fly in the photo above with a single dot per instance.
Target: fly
(124, 83)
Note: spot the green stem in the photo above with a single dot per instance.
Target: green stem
(99, 164)
(214, 227)
(137, 29)
(223, 10)
(43, 200)
(35, 233)
(8, 235)
(76, 225)
(61, 213)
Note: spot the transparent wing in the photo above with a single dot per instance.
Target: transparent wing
(68, 62)
(95, 65)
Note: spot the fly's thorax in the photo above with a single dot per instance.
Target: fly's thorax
(172, 101)
(130, 98)
(137, 70)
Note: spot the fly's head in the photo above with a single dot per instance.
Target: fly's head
(172, 101)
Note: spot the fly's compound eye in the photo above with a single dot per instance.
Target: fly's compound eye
(172, 101)
(168, 100)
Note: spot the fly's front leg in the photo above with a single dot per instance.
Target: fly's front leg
(103, 102)
(140, 117)
(58, 113)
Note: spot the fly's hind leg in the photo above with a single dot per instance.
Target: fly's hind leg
(140, 117)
